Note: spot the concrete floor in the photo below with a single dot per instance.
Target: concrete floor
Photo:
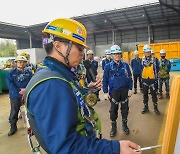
(144, 129)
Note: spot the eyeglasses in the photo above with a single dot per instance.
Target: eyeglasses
(21, 62)
(80, 47)
(116, 54)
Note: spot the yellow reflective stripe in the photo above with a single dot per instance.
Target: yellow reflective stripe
(80, 126)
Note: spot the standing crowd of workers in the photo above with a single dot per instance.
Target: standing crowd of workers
(117, 82)
(56, 95)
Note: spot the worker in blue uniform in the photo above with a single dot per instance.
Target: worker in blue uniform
(117, 86)
(32, 67)
(58, 114)
(136, 65)
(93, 66)
(107, 59)
(17, 79)
(164, 76)
(149, 79)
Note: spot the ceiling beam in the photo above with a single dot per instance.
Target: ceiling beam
(106, 18)
(89, 19)
(169, 6)
(136, 27)
(128, 19)
(147, 16)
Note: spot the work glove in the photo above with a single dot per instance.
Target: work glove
(129, 93)
(106, 96)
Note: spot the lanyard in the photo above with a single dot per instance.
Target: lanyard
(84, 109)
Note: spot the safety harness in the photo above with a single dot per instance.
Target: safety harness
(88, 120)
(149, 71)
(122, 102)
(163, 67)
(114, 72)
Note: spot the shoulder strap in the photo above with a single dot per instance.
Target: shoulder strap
(41, 76)
(124, 66)
(111, 65)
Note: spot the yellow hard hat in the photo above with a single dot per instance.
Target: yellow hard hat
(69, 29)
(20, 58)
(25, 54)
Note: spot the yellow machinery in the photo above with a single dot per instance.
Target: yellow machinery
(172, 52)
(9, 63)
(172, 49)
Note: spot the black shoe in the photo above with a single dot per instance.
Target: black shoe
(113, 129)
(145, 110)
(156, 110)
(167, 95)
(12, 130)
(125, 127)
(135, 91)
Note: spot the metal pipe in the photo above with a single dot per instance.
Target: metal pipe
(30, 39)
(113, 36)
(149, 35)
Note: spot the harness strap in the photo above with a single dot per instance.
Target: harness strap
(116, 102)
(153, 62)
(114, 73)
(151, 85)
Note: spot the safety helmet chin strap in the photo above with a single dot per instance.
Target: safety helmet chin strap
(67, 53)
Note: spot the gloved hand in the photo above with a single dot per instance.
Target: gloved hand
(129, 93)
(106, 96)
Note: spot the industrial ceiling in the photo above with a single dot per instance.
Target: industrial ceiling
(137, 17)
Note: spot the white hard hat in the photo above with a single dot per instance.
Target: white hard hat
(90, 52)
(136, 52)
(147, 48)
(107, 52)
(20, 58)
(152, 51)
(162, 51)
(115, 49)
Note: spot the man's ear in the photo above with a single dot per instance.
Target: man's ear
(57, 44)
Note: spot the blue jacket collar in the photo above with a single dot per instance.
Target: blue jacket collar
(58, 66)
(117, 65)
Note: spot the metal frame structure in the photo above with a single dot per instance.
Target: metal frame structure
(149, 22)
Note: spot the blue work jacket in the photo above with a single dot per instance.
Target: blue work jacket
(117, 77)
(16, 80)
(53, 104)
(94, 66)
(105, 61)
(136, 65)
